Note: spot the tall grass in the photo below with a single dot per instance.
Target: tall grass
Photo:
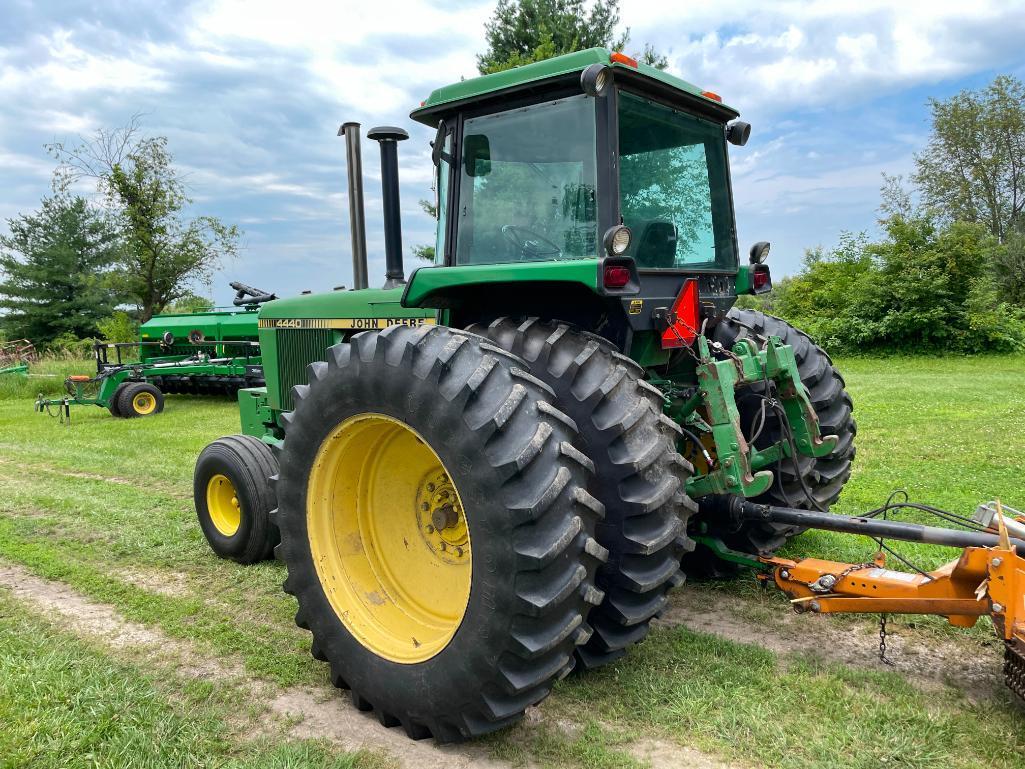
(45, 376)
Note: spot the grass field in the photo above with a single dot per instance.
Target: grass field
(104, 506)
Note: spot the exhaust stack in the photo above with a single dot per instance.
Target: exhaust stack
(389, 137)
(357, 218)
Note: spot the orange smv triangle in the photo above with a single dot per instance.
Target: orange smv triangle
(683, 317)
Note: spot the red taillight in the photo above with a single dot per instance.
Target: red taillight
(622, 58)
(616, 276)
(712, 95)
(761, 280)
(684, 318)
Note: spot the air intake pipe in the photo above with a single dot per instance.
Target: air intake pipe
(357, 219)
(389, 137)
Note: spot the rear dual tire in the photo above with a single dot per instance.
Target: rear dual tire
(639, 475)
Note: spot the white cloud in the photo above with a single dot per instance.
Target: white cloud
(68, 68)
(773, 57)
(334, 41)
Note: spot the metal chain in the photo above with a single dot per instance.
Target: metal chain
(882, 640)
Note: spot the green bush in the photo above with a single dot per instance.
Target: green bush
(924, 287)
(67, 346)
(119, 327)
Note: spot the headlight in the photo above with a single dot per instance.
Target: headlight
(594, 79)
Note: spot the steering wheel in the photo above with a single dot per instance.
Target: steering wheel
(528, 242)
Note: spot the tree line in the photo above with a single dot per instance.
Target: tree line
(948, 272)
(82, 267)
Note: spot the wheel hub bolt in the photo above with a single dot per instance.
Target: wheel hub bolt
(444, 517)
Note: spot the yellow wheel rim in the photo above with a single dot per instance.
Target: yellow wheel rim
(389, 538)
(144, 403)
(223, 506)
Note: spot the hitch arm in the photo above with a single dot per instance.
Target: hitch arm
(988, 578)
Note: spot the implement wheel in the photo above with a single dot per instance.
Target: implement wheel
(638, 473)
(115, 399)
(232, 491)
(436, 529)
(824, 476)
(139, 399)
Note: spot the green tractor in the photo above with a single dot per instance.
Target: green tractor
(487, 476)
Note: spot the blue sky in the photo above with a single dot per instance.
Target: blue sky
(250, 95)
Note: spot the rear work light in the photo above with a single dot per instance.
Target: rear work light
(684, 318)
(615, 276)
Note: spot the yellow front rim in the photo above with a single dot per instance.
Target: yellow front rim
(144, 403)
(389, 538)
(223, 506)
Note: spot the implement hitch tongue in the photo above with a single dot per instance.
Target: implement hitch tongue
(987, 578)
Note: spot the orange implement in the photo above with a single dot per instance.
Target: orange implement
(982, 581)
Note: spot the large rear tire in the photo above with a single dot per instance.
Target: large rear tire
(824, 476)
(420, 463)
(639, 475)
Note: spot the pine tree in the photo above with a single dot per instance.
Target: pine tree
(54, 269)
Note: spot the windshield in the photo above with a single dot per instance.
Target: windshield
(527, 185)
(674, 190)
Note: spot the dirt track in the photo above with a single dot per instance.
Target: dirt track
(314, 712)
(974, 666)
(321, 712)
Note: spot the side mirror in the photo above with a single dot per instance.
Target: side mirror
(476, 155)
(738, 132)
(759, 253)
(438, 145)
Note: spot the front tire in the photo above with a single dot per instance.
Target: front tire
(406, 445)
(233, 495)
(639, 475)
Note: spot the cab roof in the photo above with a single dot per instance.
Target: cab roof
(448, 98)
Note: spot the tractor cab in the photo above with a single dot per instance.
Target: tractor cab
(588, 156)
